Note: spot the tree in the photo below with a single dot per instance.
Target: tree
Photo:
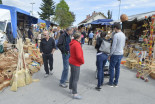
(74, 17)
(63, 16)
(1, 2)
(109, 14)
(47, 9)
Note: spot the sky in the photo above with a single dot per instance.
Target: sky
(81, 8)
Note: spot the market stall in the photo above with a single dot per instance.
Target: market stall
(18, 64)
(17, 20)
(140, 33)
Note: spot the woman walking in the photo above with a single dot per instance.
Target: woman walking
(101, 61)
(76, 60)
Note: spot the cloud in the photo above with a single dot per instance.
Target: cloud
(25, 5)
(134, 4)
(81, 8)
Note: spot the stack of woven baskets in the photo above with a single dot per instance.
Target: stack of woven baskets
(7, 67)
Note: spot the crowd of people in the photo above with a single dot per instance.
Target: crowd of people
(70, 42)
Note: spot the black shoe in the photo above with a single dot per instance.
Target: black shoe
(111, 85)
(98, 88)
(102, 84)
(115, 85)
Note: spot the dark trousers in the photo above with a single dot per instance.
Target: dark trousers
(115, 62)
(90, 41)
(75, 72)
(101, 62)
(48, 59)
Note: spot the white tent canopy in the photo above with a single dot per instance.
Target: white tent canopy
(137, 16)
(5, 15)
(141, 16)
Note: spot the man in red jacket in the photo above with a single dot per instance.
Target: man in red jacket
(76, 60)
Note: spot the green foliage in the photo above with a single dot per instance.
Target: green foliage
(109, 14)
(1, 2)
(63, 16)
(47, 9)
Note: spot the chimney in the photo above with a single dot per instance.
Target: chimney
(93, 13)
(87, 16)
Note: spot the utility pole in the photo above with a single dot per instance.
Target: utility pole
(119, 9)
(32, 7)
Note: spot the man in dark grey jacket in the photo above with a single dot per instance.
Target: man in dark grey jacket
(63, 45)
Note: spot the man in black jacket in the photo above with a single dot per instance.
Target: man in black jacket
(47, 48)
(30, 34)
(63, 45)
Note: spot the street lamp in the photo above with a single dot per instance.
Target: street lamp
(119, 9)
(32, 7)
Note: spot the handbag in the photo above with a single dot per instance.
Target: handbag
(105, 47)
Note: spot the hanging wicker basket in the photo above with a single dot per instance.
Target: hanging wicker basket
(124, 17)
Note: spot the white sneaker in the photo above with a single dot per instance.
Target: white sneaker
(116, 86)
(63, 85)
(51, 73)
(77, 97)
(46, 75)
(67, 81)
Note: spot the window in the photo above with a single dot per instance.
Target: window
(9, 32)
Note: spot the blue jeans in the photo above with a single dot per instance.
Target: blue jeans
(56, 42)
(101, 62)
(82, 40)
(64, 75)
(115, 62)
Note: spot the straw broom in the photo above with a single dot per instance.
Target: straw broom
(21, 72)
(14, 82)
(28, 77)
(15, 77)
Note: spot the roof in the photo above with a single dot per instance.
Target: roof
(141, 16)
(11, 8)
(102, 22)
(94, 15)
(13, 14)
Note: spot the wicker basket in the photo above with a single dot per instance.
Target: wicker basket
(33, 69)
(1, 86)
(86, 40)
(1, 78)
(152, 75)
(8, 74)
(28, 61)
(39, 60)
(4, 64)
(6, 83)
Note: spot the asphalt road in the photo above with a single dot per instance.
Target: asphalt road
(47, 91)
